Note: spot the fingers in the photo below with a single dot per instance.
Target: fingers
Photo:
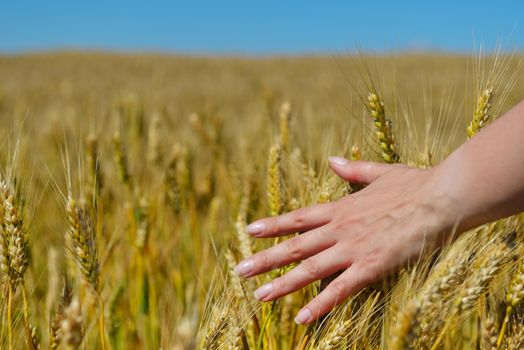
(291, 250)
(314, 268)
(299, 220)
(349, 282)
(359, 171)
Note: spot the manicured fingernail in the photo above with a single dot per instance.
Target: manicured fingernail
(255, 228)
(264, 291)
(244, 267)
(338, 160)
(303, 316)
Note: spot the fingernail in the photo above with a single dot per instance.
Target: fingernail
(264, 291)
(338, 160)
(255, 228)
(303, 316)
(244, 267)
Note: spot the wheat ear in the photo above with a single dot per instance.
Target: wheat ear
(285, 120)
(80, 236)
(513, 297)
(15, 235)
(71, 328)
(481, 116)
(489, 334)
(121, 159)
(384, 129)
(275, 186)
(54, 328)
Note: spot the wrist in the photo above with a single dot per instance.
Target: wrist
(449, 212)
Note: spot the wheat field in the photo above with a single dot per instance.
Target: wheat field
(127, 180)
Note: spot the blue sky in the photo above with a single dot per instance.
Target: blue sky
(259, 27)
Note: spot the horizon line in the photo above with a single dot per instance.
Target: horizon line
(264, 54)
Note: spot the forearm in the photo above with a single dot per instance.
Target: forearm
(483, 180)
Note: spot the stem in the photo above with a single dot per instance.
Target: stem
(264, 326)
(9, 316)
(440, 336)
(101, 322)
(295, 326)
(509, 309)
(29, 339)
(303, 343)
(256, 326)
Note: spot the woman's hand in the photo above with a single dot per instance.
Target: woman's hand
(401, 213)
(365, 235)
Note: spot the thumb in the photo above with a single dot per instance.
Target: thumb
(359, 172)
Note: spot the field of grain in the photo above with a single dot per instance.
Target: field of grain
(126, 182)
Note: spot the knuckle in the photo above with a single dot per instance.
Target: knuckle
(262, 260)
(273, 226)
(365, 276)
(280, 285)
(321, 233)
(299, 216)
(357, 166)
(342, 224)
(294, 246)
(337, 288)
(370, 275)
(330, 208)
(311, 266)
(315, 306)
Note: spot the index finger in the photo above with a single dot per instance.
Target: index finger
(302, 219)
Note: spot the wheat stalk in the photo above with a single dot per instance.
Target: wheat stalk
(336, 336)
(384, 129)
(212, 340)
(80, 236)
(16, 237)
(285, 119)
(142, 230)
(515, 340)
(481, 116)
(93, 161)
(154, 155)
(4, 246)
(236, 283)
(514, 297)
(54, 328)
(121, 159)
(405, 332)
(275, 186)
(490, 265)
(489, 334)
(71, 328)
(243, 237)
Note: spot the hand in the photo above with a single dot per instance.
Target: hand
(365, 235)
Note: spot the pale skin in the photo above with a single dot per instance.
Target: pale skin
(402, 213)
